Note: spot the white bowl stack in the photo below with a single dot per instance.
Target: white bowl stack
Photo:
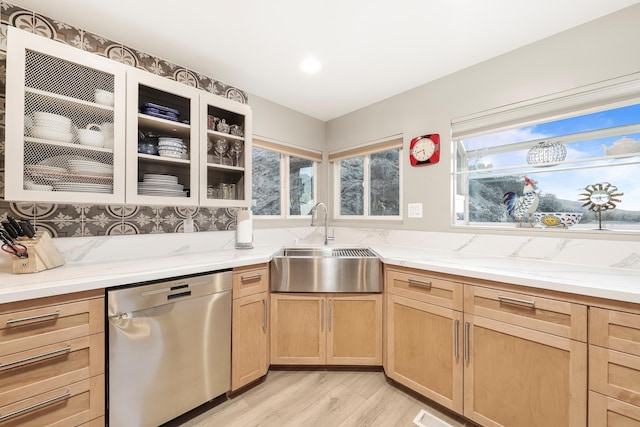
(49, 126)
(172, 147)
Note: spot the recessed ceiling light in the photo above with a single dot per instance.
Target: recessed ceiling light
(310, 65)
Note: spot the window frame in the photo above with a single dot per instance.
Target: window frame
(286, 152)
(386, 144)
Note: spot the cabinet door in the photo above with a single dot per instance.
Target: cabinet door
(614, 374)
(225, 144)
(298, 334)
(605, 411)
(162, 140)
(424, 349)
(515, 376)
(65, 123)
(249, 339)
(615, 330)
(354, 329)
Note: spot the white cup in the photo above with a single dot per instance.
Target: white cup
(104, 97)
(91, 137)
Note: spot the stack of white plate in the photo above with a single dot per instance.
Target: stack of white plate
(53, 127)
(89, 167)
(85, 187)
(172, 147)
(161, 185)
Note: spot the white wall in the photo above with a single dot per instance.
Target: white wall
(602, 49)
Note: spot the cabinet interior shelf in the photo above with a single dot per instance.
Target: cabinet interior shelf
(224, 135)
(225, 167)
(65, 145)
(153, 157)
(54, 100)
(168, 127)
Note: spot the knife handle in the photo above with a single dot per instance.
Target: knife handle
(16, 226)
(28, 229)
(12, 232)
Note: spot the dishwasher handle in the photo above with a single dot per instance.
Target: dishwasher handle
(180, 295)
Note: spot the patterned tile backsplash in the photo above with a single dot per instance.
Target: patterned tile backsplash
(71, 220)
(66, 220)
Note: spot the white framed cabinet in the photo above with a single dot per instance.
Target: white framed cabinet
(225, 146)
(162, 140)
(65, 115)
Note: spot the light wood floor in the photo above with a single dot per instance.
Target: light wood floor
(323, 398)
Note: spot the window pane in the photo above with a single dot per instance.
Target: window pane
(595, 148)
(266, 182)
(300, 186)
(351, 186)
(384, 190)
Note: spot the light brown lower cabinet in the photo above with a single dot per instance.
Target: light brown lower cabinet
(318, 329)
(608, 412)
(52, 361)
(250, 325)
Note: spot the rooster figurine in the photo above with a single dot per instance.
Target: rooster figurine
(521, 207)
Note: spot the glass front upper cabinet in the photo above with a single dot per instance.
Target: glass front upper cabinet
(225, 161)
(162, 141)
(65, 123)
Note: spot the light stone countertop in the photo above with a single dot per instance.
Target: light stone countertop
(91, 263)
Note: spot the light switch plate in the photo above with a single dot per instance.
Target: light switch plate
(415, 210)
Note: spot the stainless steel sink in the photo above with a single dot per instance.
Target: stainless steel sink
(326, 269)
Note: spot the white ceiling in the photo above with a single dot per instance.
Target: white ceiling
(369, 49)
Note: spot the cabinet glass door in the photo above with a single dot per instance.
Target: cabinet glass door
(162, 142)
(65, 123)
(225, 168)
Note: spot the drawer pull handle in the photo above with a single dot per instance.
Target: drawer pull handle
(456, 344)
(11, 322)
(466, 340)
(420, 283)
(251, 277)
(31, 359)
(264, 315)
(42, 404)
(517, 301)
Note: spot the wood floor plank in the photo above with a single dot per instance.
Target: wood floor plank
(318, 398)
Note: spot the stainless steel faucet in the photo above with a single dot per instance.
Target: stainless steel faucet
(326, 217)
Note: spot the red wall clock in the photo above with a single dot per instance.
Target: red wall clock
(425, 150)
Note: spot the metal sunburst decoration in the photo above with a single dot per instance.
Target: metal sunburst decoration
(600, 197)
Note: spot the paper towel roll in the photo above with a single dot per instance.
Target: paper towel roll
(244, 229)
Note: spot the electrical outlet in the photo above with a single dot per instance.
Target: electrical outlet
(415, 210)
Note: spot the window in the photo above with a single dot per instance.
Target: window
(367, 181)
(283, 180)
(590, 140)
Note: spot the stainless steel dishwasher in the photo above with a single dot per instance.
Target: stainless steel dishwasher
(169, 348)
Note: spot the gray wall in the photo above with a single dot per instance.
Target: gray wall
(596, 51)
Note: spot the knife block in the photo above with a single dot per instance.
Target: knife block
(43, 255)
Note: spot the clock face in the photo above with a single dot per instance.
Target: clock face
(425, 150)
(600, 197)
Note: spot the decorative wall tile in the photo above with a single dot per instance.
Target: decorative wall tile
(204, 82)
(3, 37)
(56, 30)
(167, 69)
(145, 61)
(186, 77)
(98, 219)
(101, 46)
(236, 95)
(16, 16)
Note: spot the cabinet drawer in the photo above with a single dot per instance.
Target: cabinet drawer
(615, 330)
(66, 406)
(36, 371)
(250, 280)
(605, 411)
(425, 287)
(555, 317)
(30, 328)
(614, 374)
